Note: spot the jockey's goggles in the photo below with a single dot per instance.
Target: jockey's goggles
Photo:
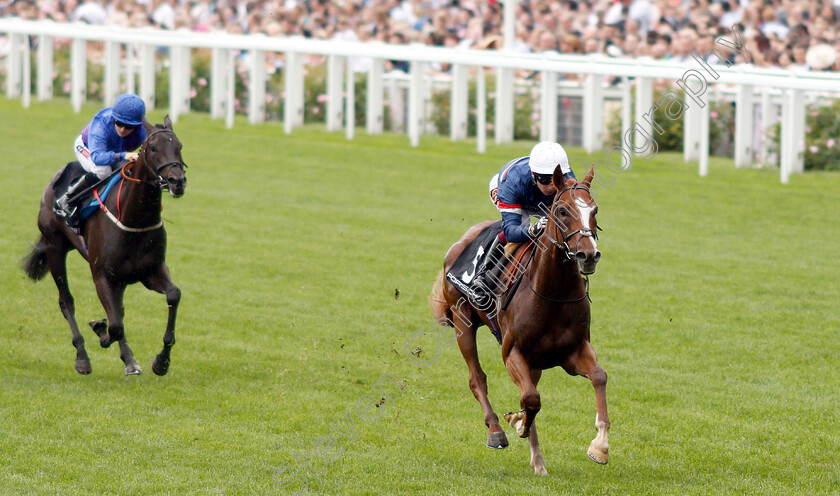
(543, 178)
(125, 126)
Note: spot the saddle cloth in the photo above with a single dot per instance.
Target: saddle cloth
(73, 171)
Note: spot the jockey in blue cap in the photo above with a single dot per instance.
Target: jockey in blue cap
(522, 188)
(104, 144)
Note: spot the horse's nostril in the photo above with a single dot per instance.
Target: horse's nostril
(581, 256)
(597, 256)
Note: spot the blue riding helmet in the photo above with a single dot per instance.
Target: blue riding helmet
(129, 109)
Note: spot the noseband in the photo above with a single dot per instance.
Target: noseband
(584, 232)
(160, 182)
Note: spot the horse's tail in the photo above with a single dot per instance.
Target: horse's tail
(35, 263)
(440, 310)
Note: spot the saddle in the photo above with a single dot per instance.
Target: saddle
(87, 201)
(463, 271)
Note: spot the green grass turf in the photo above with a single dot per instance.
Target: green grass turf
(714, 313)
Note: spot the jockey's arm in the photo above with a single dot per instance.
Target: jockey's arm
(98, 146)
(513, 228)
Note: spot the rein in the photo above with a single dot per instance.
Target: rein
(567, 252)
(160, 183)
(119, 224)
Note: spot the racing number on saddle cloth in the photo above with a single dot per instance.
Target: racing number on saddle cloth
(467, 277)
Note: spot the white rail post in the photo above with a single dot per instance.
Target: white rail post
(375, 116)
(299, 91)
(769, 115)
(626, 113)
(691, 131)
(45, 68)
(293, 89)
(504, 105)
(797, 129)
(184, 72)
(175, 87)
(548, 106)
(593, 113)
(744, 125)
(644, 102)
(147, 75)
(415, 102)
(13, 66)
(256, 91)
(219, 75)
(130, 52)
(27, 73)
(785, 144)
(791, 154)
(480, 111)
(112, 72)
(460, 97)
(350, 103)
(229, 63)
(78, 73)
(703, 159)
(335, 85)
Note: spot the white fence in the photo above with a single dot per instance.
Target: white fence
(752, 85)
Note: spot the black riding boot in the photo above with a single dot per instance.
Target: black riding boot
(65, 206)
(491, 269)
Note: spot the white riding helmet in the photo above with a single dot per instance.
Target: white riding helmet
(546, 156)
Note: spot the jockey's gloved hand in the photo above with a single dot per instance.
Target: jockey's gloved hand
(537, 228)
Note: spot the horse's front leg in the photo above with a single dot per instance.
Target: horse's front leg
(520, 372)
(585, 363)
(111, 295)
(537, 460)
(161, 282)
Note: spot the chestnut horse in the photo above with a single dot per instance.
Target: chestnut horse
(546, 322)
(126, 243)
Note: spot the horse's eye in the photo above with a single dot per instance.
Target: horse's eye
(562, 212)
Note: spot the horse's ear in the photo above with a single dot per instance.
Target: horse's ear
(558, 180)
(587, 181)
(167, 122)
(147, 125)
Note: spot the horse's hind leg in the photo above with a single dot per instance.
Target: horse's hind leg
(496, 438)
(162, 283)
(585, 363)
(56, 254)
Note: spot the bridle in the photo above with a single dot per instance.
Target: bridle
(584, 232)
(564, 248)
(160, 182)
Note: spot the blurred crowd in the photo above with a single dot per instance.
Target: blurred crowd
(776, 33)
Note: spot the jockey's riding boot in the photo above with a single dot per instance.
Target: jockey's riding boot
(63, 207)
(490, 271)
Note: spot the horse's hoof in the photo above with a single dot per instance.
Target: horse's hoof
(83, 367)
(539, 469)
(160, 367)
(497, 440)
(598, 454)
(100, 327)
(133, 369)
(517, 421)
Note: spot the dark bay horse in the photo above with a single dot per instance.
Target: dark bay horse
(124, 243)
(546, 323)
